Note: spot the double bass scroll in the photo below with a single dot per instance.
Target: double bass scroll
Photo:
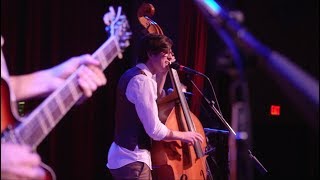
(146, 11)
(175, 159)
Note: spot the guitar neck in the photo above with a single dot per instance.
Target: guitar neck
(35, 127)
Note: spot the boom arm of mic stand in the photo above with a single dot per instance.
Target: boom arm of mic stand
(257, 163)
(215, 110)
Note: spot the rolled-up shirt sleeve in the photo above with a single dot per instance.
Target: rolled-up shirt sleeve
(142, 92)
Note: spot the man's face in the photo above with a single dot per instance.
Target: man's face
(162, 60)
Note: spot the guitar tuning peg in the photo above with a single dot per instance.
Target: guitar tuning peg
(120, 56)
(111, 9)
(124, 44)
(122, 17)
(122, 39)
(109, 16)
(107, 28)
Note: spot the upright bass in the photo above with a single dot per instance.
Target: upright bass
(175, 159)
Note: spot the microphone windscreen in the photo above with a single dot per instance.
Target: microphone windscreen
(175, 65)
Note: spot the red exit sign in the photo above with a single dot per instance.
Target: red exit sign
(275, 110)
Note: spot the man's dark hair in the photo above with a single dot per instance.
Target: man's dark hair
(153, 44)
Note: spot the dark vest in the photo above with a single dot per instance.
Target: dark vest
(129, 130)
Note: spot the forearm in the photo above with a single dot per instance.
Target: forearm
(174, 135)
(187, 136)
(161, 79)
(39, 83)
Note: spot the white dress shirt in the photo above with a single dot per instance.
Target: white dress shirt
(142, 92)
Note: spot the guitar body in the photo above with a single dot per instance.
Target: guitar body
(9, 122)
(7, 118)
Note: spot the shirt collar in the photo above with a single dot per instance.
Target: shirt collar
(145, 69)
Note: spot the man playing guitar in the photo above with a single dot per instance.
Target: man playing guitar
(19, 161)
(64, 84)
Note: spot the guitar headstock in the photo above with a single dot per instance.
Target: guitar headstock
(118, 26)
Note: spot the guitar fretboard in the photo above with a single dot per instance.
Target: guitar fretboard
(44, 118)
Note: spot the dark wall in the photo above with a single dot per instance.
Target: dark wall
(290, 28)
(287, 144)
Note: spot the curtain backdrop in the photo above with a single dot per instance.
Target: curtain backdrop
(39, 34)
(192, 47)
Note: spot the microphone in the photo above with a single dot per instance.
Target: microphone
(180, 67)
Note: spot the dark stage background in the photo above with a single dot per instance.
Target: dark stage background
(39, 34)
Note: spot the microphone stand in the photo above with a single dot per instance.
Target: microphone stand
(239, 137)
